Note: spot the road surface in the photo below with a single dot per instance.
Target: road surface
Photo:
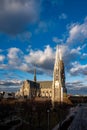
(80, 120)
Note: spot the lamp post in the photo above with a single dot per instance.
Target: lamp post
(48, 117)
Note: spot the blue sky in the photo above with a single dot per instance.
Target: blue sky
(29, 33)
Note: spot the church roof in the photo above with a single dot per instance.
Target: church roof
(32, 83)
(45, 84)
(39, 84)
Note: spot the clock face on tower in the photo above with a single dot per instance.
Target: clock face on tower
(56, 84)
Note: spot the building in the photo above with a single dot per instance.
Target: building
(54, 90)
(6, 95)
(58, 85)
(30, 89)
(45, 89)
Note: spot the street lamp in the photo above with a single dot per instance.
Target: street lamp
(48, 117)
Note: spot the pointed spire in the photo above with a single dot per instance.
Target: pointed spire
(35, 75)
(58, 54)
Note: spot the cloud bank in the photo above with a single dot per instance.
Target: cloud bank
(77, 32)
(16, 15)
(10, 85)
(77, 87)
(73, 52)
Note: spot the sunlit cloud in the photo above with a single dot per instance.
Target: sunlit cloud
(77, 32)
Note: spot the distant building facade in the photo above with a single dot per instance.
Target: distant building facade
(54, 90)
(7, 95)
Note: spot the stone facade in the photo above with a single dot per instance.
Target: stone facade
(29, 89)
(46, 89)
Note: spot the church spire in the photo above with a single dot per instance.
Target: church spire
(58, 86)
(35, 75)
(58, 55)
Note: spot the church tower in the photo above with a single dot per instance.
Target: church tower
(58, 86)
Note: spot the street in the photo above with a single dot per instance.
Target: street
(80, 120)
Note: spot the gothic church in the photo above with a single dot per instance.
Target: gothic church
(55, 90)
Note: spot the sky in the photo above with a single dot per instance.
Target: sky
(30, 30)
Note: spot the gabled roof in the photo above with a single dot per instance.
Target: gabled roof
(32, 83)
(45, 84)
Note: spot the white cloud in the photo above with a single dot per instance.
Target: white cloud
(10, 82)
(76, 51)
(57, 40)
(70, 55)
(40, 56)
(12, 53)
(44, 60)
(10, 85)
(78, 69)
(77, 87)
(14, 56)
(77, 32)
(2, 57)
(25, 67)
(3, 66)
(84, 55)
